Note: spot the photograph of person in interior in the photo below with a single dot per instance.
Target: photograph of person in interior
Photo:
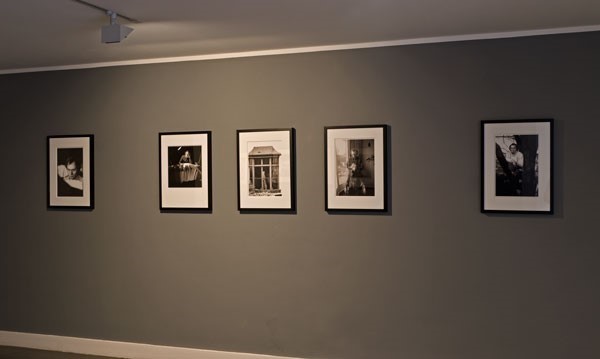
(69, 172)
(517, 165)
(355, 165)
(185, 166)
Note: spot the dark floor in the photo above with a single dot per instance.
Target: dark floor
(24, 353)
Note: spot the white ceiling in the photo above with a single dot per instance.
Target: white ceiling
(56, 33)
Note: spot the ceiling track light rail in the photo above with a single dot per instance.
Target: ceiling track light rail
(104, 10)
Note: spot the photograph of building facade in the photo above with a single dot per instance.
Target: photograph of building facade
(263, 170)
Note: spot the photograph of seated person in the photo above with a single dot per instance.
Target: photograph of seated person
(514, 158)
(185, 166)
(70, 175)
(186, 157)
(516, 168)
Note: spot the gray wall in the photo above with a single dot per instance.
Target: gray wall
(433, 279)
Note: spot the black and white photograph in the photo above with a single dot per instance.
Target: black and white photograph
(355, 164)
(517, 165)
(185, 170)
(185, 166)
(266, 169)
(356, 168)
(70, 171)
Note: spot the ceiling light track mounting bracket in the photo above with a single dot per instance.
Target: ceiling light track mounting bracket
(113, 14)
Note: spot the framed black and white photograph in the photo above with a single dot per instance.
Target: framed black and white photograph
(185, 170)
(71, 171)
(266, 169)
(517, 166)
(355, 168)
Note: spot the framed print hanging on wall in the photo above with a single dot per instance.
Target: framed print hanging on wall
(266, 169)
(356, 168)
(71, 171)
(185, 170)
(517, 166)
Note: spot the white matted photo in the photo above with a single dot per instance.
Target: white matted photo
(355, 168)
(70, 171)
(266, 178)
(185, 170)
(517, 166)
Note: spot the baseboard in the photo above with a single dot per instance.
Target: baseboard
(117, 349)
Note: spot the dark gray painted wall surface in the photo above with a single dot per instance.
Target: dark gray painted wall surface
(434, 279)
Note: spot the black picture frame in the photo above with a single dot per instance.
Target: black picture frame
(266, 170)
(356, 168)
(185, 171)
(517, 166)
(70, 171)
